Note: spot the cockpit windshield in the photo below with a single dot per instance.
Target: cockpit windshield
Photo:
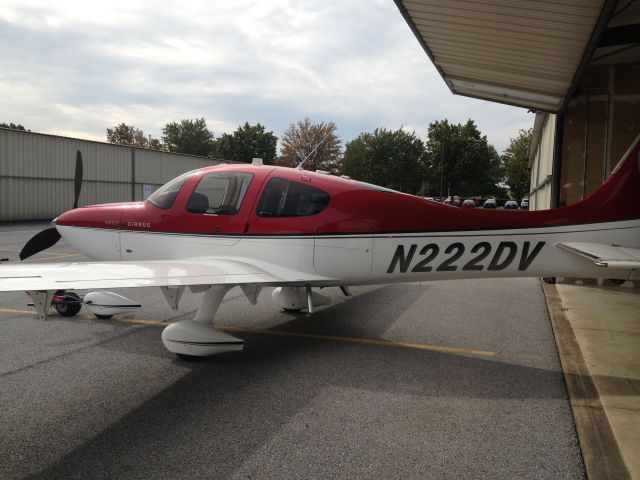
(166, 194)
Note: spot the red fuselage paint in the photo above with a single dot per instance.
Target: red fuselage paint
(354, 208)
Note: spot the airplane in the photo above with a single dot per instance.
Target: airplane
(252, 225)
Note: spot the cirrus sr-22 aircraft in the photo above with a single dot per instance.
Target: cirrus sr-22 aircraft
(253, 226)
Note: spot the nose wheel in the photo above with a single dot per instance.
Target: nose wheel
(70, 306)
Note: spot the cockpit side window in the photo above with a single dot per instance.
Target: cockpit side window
(166, 194)
(219, 193)
(284, 198)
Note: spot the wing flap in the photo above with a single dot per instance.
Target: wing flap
(87, 275)
(603, 255)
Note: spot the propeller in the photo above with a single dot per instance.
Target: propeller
(47, 238)
(77, 181)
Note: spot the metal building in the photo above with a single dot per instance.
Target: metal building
(37, 171)
(576, 63)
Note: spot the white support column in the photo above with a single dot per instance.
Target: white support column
(210, 302)
(309, 299)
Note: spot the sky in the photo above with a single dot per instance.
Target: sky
(76, 68)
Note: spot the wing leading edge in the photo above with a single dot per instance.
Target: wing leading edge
(165, 273)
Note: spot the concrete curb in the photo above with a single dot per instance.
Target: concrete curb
(600, 449)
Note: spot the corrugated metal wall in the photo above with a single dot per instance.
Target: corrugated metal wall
(37, 170)
(542, 167)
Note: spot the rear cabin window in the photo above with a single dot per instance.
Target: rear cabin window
(166, 194)
(219, 193)
(284, 198)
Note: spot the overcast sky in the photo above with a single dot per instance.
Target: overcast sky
(75, 68)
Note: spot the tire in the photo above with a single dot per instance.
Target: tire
(617, 281)
(69, 309)
(103, 317)
(189, 358)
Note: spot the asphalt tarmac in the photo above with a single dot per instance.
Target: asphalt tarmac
(456, 379)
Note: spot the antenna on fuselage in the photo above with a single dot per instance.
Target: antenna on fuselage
(299, 167)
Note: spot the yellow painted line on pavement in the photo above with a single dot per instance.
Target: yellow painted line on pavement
(56, 257)
(52, 254)
(135, 321)
(314, 336)
(22, 312)
(361, 341)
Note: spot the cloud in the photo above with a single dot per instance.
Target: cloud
(75, 66)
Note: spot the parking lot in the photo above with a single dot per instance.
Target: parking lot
(434, 380)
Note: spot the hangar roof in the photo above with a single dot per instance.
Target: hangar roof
(523, 53)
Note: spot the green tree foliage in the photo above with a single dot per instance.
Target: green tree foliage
(317, 142)
(246, 143)
(516, 164)
(387, 158)
(156, 144)
(188, 136)
(13, 126)
(460, 158)
(124, 134)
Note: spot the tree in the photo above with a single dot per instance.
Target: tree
(156, 144)
(124, 134)
(315, 142)
(13, 126)
(246, 143)
(459, 159)
(188, 136)
(516, 163)
(386, 158)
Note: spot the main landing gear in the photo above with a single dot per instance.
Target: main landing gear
(295, 299)
(190, 339)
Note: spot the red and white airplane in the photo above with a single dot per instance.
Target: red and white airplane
(253, 226)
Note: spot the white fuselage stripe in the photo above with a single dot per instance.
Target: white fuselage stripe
(376, 258)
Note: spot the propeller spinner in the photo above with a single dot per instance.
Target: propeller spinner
(49, 237)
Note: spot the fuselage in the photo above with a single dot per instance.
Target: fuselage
(344, 231)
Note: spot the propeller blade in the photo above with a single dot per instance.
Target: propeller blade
(40, 241)
(77, 183)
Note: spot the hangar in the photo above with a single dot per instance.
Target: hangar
(575, 63)
(36, 173)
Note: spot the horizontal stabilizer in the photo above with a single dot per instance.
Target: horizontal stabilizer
(609, 256)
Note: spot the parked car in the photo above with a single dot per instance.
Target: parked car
(511, 205)
(524, 204)
(489, 203)
(468, 204)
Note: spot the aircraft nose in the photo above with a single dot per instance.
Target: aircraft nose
(96, 216)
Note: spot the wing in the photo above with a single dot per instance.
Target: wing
(605, 255)
(163, 273)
